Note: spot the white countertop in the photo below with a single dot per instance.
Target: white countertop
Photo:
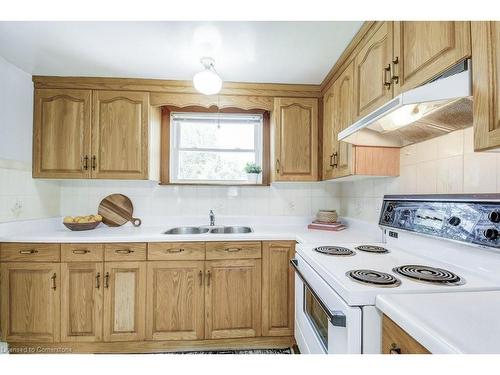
(467, 322)
(264, 228)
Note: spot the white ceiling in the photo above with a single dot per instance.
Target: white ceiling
(279, 52)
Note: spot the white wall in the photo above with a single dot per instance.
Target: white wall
(443, 165)
(21, 197)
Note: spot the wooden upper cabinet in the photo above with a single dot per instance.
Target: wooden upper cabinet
(175, 300)
(61, 134)
(425, 49)
(81, 302)
(124, 301)
(372, 71)
(30, 302)
(232, 298)
(486, 84)
(120, 135)
(329, 136)
(295, 135)
(278, 288)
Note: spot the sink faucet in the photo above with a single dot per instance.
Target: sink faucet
(211, 215)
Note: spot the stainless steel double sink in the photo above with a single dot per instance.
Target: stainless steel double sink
(205, 229)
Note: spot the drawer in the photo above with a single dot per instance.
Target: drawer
(82, 252)
(176, 251)
(234, 250)
(30, 252)
(120, 252)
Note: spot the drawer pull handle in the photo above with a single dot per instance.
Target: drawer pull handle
(81, 252)
(208, 277)
(171, 251)
(106, 280)
(395, 349)
(233, 249)
(200, 274)
(32, 251)
(54, 276)
(124, 251)
(98, 280)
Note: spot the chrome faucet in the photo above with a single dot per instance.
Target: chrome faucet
(211, 215)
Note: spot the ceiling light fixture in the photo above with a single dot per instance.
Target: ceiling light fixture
(207, 81)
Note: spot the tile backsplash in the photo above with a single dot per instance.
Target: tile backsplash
(443, 165)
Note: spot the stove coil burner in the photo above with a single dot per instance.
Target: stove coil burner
(334, 250)
(372, 249)
(373, 277)
(429, 274)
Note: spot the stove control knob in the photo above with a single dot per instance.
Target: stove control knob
(390, 208)
(494, 216)
(454, 220)
(491, 234)
(387, 218)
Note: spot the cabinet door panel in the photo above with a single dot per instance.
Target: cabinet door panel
(120, 134)
(296, 144)
(425, 49)
(30, 302)
(61, 136)
(370, 72)
(81, 302)
(124, 301)
(329, 135)
(233, 293)
(278, 289)
(175, 301)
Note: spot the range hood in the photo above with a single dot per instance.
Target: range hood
(436, 108)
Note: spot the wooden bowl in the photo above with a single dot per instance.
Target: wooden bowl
(82, 226)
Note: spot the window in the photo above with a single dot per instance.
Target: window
(214, 147)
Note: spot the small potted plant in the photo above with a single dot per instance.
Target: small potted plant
(253, 171)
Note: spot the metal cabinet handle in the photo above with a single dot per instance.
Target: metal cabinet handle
(331, 160)
(31, 251)
(94, 162)
(54, 286)
(278, 166)
(200, 275)
(81, 252)
(395, 349)
(86, 163)
(387, 81)
(106, 280)
(175, 250)
(98, 280)
(208, 277)
(124, 251)
(335, 157)
(395, 77)
(233, 249)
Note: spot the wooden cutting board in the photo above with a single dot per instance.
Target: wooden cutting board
(116, 210)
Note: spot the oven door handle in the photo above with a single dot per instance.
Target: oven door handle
(337, 318)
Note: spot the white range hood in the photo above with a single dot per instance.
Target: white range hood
(425, 112)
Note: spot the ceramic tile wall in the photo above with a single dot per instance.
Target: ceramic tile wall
(445, 164)
(292, 199)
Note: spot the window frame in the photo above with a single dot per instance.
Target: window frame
(165, 157)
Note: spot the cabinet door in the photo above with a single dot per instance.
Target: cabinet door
(486, 84)
(124, 301)
(396, 341)
(120, 135)
(278, 288)
(233, 298)
(372, 75)
(296, 139)
(30, 302)
(425, 49)
(81, 302)
(61, 134)
(329, 135)
(175, 300)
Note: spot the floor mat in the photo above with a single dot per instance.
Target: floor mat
(247, 351)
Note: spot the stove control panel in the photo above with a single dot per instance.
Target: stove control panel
(472, 219)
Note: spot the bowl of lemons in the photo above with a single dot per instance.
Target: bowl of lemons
(82, 222)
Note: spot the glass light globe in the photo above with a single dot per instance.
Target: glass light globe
(207, 82)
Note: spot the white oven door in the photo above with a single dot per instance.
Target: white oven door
(324, 323)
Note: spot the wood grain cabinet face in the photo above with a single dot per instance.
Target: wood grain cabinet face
(278, 289)
(486, 84)
(81, 302)
(396, 341)
(425, 49)
(124, 301)
(233, 298)
(30, 302)
(372, 74)
(61, 141)
(120, 135)
(295, 139)
(175, 300)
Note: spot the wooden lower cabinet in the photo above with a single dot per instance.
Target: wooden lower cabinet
(278, 288)
(233, 298)
(396, 341)
(81, 302)
(124, 301)
(175, 300)
(30, 302)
